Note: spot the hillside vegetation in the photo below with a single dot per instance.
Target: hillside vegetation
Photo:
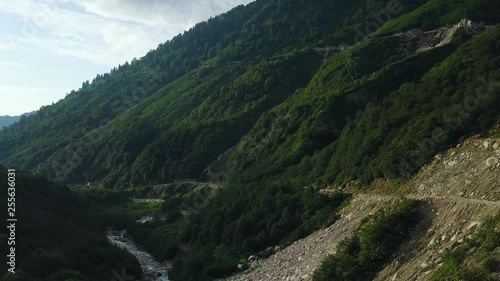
(273, 101)
(56, 237)
(372, 245)
(211, 83)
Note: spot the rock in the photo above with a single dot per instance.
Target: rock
(496, 145)
(452, 163)
(472, 225)
(240, 266)
(464, 23)
(453, 238)
(472, 250)
(486, 144)
(492, 162)
(252, 258)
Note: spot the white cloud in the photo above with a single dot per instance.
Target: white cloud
(97, 33)
(173, 13)
(149, 12)
(9, 63)
(105, 32)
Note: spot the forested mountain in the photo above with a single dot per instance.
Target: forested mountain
(268, 99)
(184, 76)
(170, 114)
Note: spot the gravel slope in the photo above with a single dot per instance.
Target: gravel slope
(461, 189)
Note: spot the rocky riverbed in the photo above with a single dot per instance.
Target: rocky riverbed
(153, 270)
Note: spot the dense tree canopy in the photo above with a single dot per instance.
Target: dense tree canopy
(56, 236)
(274, 100)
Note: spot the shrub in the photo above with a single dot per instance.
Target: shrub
(361, 256)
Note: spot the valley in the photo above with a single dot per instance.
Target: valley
(454, 209)
(273, 142)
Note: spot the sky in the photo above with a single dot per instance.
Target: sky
(49, 47)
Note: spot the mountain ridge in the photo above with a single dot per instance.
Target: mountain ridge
(105, 103)
(257, 102)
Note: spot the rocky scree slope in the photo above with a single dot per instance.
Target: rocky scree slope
(461, 189)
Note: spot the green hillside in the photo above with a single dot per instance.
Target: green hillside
(272, 101)
(192, 68)
(383, 123)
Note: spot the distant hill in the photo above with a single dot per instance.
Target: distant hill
(6, 120)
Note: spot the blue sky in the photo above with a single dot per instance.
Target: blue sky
(49, 47)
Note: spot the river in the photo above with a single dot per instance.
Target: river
(152, 269)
